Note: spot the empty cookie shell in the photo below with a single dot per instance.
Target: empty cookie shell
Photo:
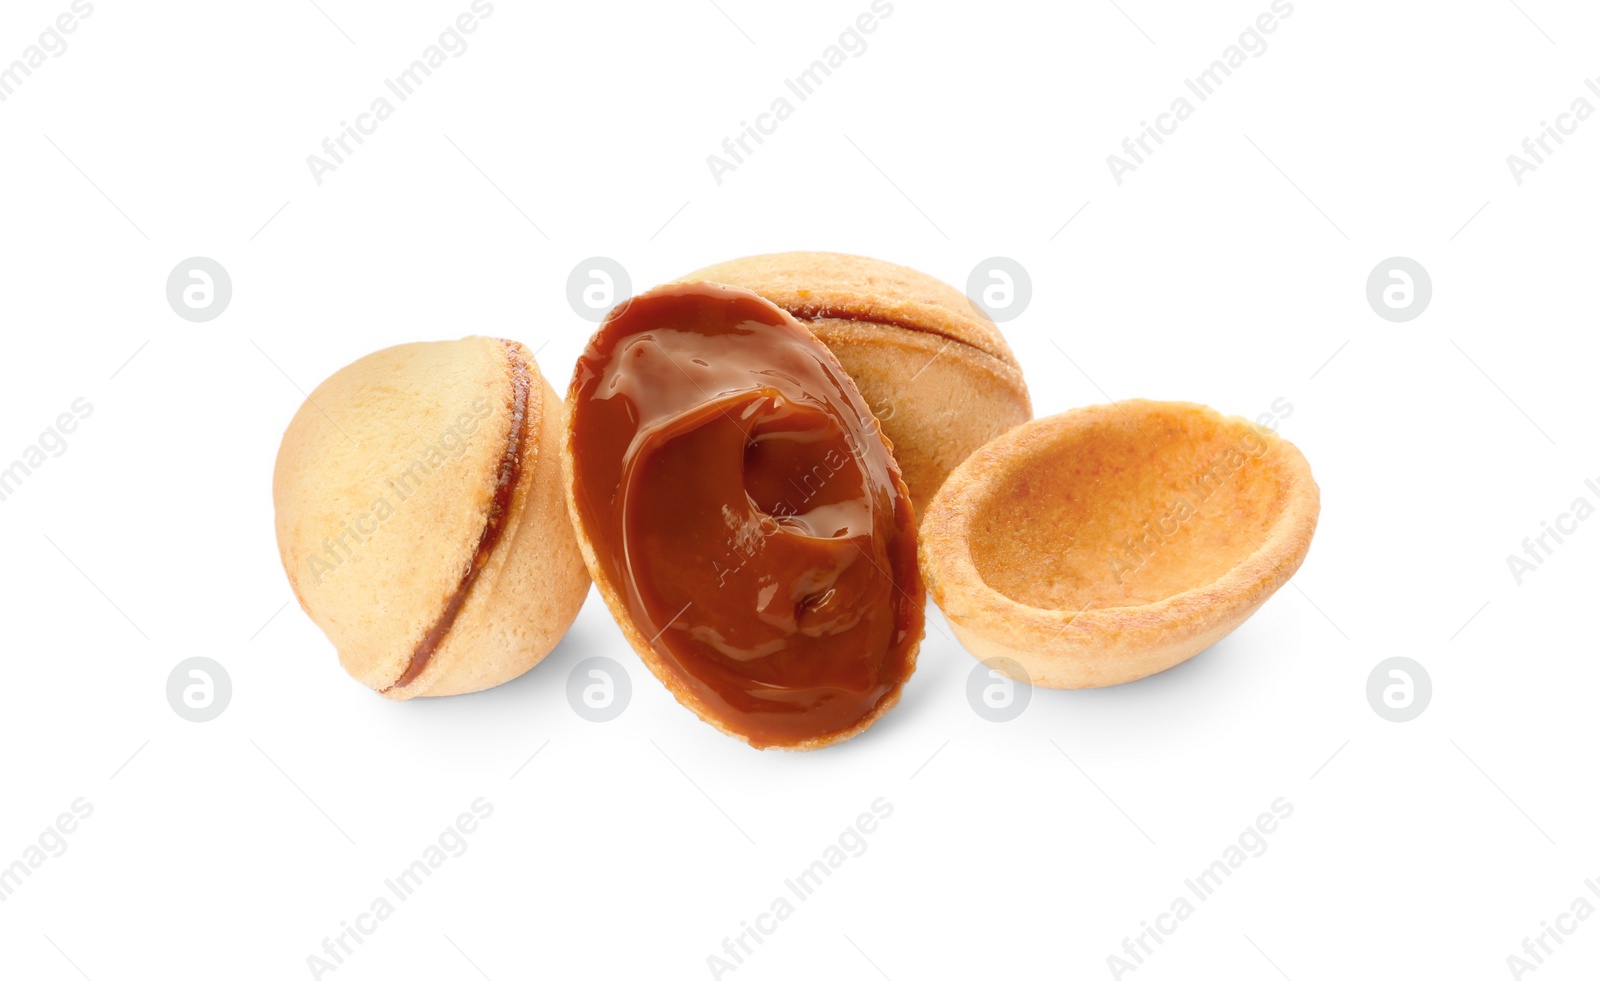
(421, 520)
(937, 372)
(743, 516)
(1108, 543)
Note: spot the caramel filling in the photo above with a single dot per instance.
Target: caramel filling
(743, 505)
(505, 489)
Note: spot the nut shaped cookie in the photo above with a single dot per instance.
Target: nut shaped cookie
(421, 520)
(935, 370)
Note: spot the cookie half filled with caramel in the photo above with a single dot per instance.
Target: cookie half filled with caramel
(744, 516)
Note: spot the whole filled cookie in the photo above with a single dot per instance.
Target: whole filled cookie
(933, 367)
(420, 516)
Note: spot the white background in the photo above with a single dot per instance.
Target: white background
(1229, 269)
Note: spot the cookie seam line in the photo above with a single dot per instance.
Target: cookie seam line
(508, 477)
(812, 314)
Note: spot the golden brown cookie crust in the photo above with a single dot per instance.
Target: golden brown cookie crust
(1109, 543)
(938, 374)
(836, 286)
(937, 400)
(382, 489)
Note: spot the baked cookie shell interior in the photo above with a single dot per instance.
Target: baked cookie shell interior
(1108, 543)
(1128, 510)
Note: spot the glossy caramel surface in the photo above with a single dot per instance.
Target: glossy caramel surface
(744, 507)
